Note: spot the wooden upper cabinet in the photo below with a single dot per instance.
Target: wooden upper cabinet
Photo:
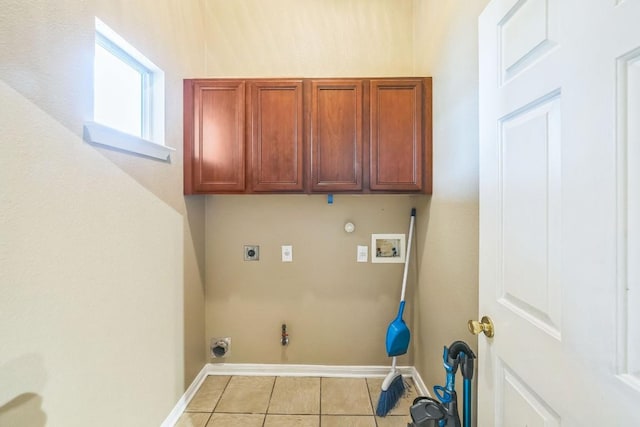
(214, 136)
(336, 135)
(276, 133)
(396, 135)
(307, 135)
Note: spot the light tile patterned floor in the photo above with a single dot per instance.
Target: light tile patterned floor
(248, 401)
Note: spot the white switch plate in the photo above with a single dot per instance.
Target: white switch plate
(363, 253)
(287, 253)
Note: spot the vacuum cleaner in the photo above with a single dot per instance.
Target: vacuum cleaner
(429, 412)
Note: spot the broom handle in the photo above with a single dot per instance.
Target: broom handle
(408, 254)
(386, 383)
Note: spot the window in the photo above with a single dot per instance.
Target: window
(120, 90)
(128, 98)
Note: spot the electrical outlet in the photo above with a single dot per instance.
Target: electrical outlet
(251, 252)
(287, 253)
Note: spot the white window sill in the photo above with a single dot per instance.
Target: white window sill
(104, 135)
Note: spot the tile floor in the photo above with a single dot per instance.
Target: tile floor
(254, 401)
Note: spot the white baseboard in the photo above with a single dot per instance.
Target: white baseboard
(179, 408)
(343, 371)
(421, 387)
(253, 369)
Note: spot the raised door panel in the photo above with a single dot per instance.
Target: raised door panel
(218, 153)
(396, 144)
(336, 135)
(276, 136)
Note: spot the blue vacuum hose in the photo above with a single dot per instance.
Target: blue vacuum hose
(458, 354)
(467, 402)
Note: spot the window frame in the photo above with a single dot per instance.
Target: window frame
(151, 142)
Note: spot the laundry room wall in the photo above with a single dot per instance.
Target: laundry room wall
(337, 310)
(101, 280)
(447, 295)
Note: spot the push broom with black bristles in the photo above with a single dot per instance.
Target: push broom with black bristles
(397, 343)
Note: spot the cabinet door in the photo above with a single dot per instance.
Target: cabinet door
(276, 131)
(214, 139)
(336, 135)
(396, 150)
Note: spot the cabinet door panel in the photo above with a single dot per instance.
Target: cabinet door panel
(276, 135)
(336, 135)
(396, 157)
(218, 151)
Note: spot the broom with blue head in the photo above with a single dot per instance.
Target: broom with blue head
(397, 343)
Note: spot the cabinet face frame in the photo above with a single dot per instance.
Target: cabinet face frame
(427, 135)
(276, 135)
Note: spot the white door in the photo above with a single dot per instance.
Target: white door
(560, 213)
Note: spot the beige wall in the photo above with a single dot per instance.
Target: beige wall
(446, 48)
(172, 35)
(101, 257)
(337, 310)
(309, 38)
(102, 260)
(350, 38)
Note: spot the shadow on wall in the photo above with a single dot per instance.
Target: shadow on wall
(24, 410)
(22, 375)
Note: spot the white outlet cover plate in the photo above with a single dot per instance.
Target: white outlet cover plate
(287, 253)
(363, 253)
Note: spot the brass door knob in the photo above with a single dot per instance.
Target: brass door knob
(484, 325)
